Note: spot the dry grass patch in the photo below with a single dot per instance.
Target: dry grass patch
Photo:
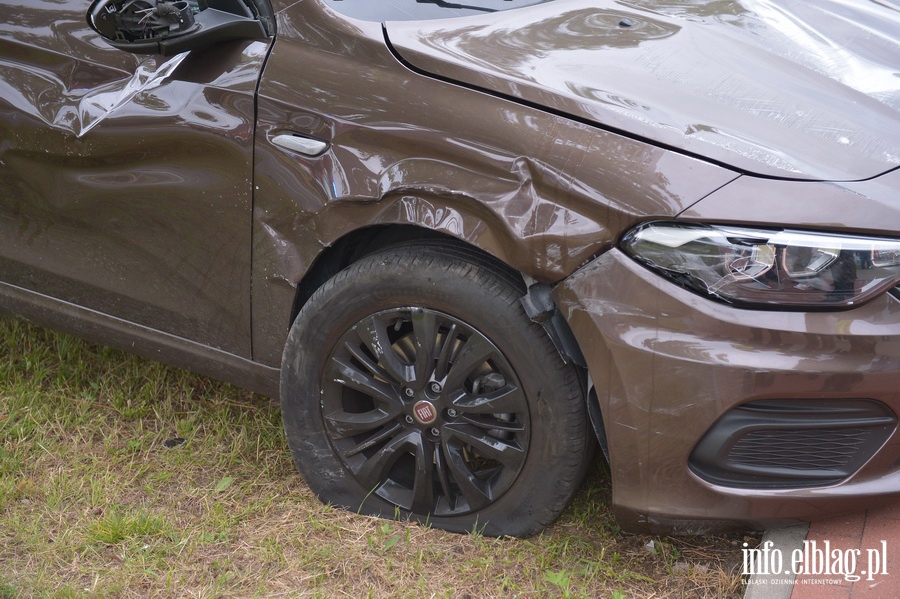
(120, 477)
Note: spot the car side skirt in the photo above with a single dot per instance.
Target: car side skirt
(144, 341)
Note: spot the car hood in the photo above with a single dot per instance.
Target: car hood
(778, 88)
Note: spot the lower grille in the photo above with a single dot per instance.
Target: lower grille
(792, 443)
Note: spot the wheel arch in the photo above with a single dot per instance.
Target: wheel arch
(362, 242)
(536, 296)
(358, 244)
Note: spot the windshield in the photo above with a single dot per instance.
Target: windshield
(420, 10)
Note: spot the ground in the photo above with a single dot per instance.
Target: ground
(121, 477)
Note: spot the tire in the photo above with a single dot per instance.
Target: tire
(414, 386)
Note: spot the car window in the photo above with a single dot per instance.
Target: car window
(416, 10)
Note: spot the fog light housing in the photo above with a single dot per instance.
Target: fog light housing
(792, 443)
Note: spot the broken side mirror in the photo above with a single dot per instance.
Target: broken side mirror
(168, 27)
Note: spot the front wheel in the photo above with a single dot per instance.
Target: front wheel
(413, 384)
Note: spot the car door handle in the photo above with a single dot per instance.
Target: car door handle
(302, 145)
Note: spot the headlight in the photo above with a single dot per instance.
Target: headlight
(774, 269)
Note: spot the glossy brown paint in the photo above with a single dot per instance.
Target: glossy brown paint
(144, 204)
(689, 75)
(540, 192)
(867, 207)
(666, 364)
(713, 358)
(146, 216)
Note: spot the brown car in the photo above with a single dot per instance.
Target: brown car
(465, 240)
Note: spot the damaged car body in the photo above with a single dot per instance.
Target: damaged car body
(466, 241)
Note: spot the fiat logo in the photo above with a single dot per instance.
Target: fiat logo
(425, 412)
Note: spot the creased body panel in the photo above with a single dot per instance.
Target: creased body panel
(538, 191)
(125, 182)
(783, 89)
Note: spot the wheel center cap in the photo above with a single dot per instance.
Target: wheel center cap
(425, 412)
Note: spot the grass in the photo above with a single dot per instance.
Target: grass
(121, 477)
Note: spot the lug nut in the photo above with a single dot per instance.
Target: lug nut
(436, 432)
(452, 413)
(409, 420)
(408, 391)
(436, 387)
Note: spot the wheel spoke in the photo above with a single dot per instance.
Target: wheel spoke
(374, 471)
(474, 353)
(423, 487)
(373, 441)
(373, 332)
(492, 423)
(366, 361)
(506, 400)
(440, 463)
(443, 364)
(476, 492)
(345, 424)
(425, 336)
(508, 454)
(347, 374)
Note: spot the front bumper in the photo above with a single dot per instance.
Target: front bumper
(667, 365)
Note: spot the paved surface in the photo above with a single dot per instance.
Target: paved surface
(777, 586)
(874, 533)
(864, 545)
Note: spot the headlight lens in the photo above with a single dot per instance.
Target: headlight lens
(774, 269)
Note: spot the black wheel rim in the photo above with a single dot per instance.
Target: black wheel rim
(425, 412)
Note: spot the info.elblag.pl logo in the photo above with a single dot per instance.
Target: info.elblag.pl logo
(816, 559)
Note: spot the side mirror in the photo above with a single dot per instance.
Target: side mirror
(168, 27)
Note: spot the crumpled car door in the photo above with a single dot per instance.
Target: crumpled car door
(126, 180)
